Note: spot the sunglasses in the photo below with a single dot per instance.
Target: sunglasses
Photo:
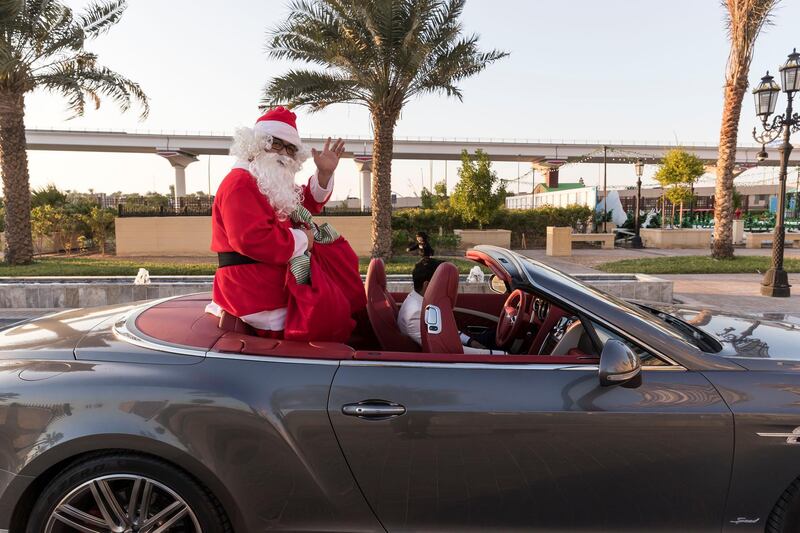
(278, 144)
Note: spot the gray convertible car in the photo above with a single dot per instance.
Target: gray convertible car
(603, 415)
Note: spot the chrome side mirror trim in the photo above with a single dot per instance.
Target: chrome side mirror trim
(618, 364)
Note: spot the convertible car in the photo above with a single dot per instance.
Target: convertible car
(601, 415)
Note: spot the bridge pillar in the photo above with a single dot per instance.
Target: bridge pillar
(364, 166)
(179, 160)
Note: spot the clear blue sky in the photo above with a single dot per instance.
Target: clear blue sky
(579, 69)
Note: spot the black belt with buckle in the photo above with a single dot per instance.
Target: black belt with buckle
(227, 259)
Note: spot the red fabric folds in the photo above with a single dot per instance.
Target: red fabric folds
(322, 310)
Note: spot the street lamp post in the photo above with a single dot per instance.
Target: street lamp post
(776, 280)
(636, 242)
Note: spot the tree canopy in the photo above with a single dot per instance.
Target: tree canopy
(477, 196)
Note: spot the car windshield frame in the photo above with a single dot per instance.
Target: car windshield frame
(645, 313)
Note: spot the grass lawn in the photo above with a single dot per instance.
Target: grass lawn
(697, 264)
(111, 266)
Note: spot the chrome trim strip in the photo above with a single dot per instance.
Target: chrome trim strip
(624, 376)
(466, 366)
(791, 438)
(125, 330)
(123, 333)
(271, 359)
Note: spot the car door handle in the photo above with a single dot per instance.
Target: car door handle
(373, 410)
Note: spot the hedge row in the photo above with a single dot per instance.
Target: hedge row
(530, 224)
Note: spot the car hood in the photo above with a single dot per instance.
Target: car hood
(765, 336)
(55, 336)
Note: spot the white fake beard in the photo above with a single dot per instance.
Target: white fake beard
(274, 174)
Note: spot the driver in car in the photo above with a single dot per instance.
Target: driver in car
(408, 319)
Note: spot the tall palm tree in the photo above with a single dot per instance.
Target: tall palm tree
(744, 20)
(379, 54)
(42, 47)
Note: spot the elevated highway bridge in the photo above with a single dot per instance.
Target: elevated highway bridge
(181, 149)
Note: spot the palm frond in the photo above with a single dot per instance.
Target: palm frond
(744, 21)
(83, 77)
(315, 90)
(9, 9)
(460, 61)
(100, 17)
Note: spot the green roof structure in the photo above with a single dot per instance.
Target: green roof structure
(541, 187)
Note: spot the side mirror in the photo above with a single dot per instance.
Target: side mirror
(497, 285)
(618, 364)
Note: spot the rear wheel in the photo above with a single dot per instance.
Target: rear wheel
(785, 516)
(121, 493)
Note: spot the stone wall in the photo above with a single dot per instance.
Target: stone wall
(474, 237)
(191, 236)
(676, 238)
(19, 293)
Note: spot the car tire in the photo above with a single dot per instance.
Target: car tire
(785, 516)
(113, 477)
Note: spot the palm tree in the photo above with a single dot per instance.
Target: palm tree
(42, 47)
(379, 54)
(744, 20)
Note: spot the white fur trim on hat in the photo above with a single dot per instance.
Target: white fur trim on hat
(279, 129)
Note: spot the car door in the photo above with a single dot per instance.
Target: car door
(465, 446)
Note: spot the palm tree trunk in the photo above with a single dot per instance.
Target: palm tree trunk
(16, 190)
(382, 147)
(723, 197)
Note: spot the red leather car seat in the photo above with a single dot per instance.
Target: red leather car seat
(441, 293)
(382, 311)
(229, 322)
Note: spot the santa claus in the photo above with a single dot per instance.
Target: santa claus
(252, 231)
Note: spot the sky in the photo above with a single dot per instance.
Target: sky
(579, 70)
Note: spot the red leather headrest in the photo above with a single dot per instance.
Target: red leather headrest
(442, 292)
(382, 311)
(376, 274)
(443, 285)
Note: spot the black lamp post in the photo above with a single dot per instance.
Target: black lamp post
(776, 280)
(636, 242)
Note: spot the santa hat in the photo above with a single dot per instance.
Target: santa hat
(280, 123)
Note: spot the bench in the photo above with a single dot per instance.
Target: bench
(560, 239)
(756, 240)
(606, 240)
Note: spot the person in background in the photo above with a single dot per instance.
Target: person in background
(421, 245)
(408, 318)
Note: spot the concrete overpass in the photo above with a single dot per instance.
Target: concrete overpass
(182, 149)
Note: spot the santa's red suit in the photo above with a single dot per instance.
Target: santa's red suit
(245, 220)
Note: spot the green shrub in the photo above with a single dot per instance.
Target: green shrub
(528, 226)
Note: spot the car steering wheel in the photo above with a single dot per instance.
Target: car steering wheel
(513, 317)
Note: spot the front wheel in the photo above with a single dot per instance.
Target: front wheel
(122, 493)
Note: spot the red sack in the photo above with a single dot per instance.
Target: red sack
(321, 311)
(340, 263)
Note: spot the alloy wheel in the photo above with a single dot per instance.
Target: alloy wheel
(122, 503)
